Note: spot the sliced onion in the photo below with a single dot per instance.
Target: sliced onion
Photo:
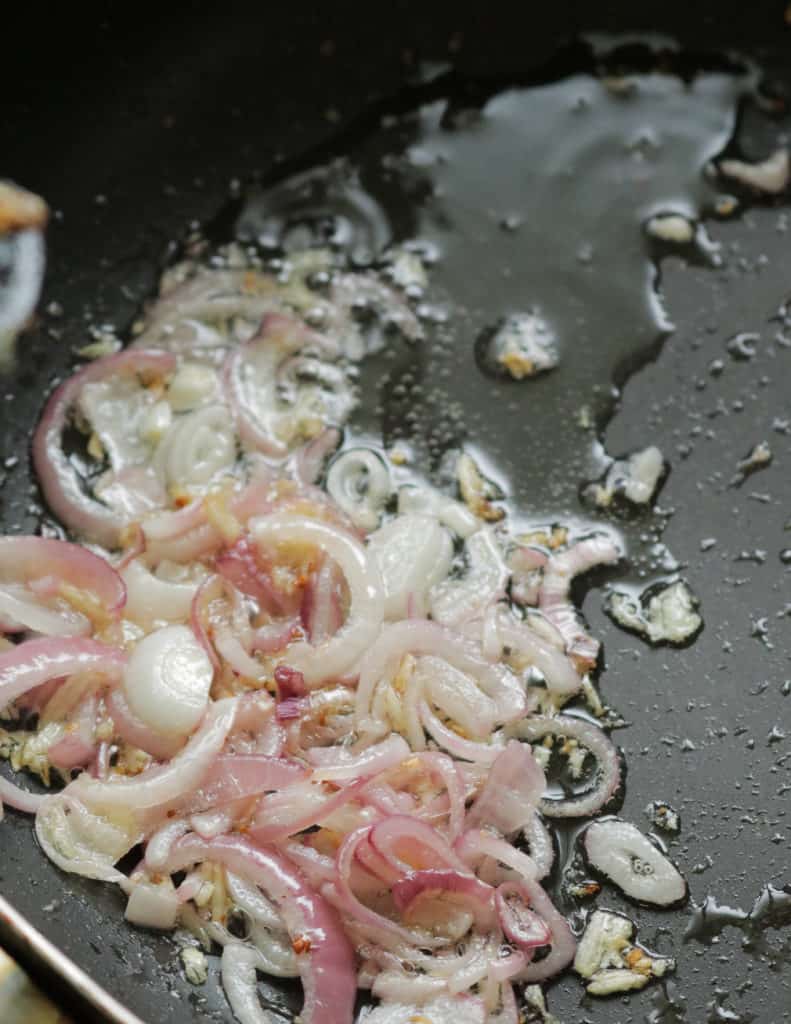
(435, 882)
(359, 481)
(594, 740)
(37, 661)
(554, 598)
(157, 789)
(19, 798)
(477, 843)
(457, 695)
(513, 788)
(334, 656)
(136, 733)
(198, 448)
(239, 565)
(59, 481)
(153, 600)
(407, 843)
(397, 987)
(529, 646)
(629, 859)
(31, 559)
(252, 901)
(79, 841)
(230, 649)
(466, 750)
(327, 964)
(237, 776)
(309, 460)
(562, 942)
(166, 682)
(322, 603)
(78, 746)
(250, 381)
(160, 844)
(239, 964)
(413, 553)
(540, 845)
(22, 280)
(384, 931)
(456, 601)
(275, 636)
(520, 925)
(338, 764)
(421, 637)
(444, 769)
(20, 611)
(284, 814)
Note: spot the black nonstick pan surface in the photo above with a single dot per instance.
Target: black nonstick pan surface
(135, 127)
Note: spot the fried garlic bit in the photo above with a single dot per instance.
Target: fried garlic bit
(20, 209)
(770, 176)
(610, 961)
(477, 492)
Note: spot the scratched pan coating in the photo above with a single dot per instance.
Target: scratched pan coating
(158, 120)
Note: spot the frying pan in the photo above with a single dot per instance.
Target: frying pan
(134, 127)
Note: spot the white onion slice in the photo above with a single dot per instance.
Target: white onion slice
(18, 610)
(426, 500)
(413, 553)
(456, 601)
(457, 695)
(150, 600)
(359, 481)
(628, 858)
(197, 448)
(239, 965)
(167, 681)
(336, 655)
(158, 788)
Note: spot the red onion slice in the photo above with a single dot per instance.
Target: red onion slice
(156, 790)
(554, 598)
(239, 964)
(309, 460)
(562, 941)
(30, 559)
(382, 929)
(284, 814)
(407, 843)
(473, 894)
(237, 776)
(78, 746)
(59, 481)
(250, 379)
(336, 655)
(37, 661)
(520, 925)
(630, 860)
(326, 963)
(512, 791)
